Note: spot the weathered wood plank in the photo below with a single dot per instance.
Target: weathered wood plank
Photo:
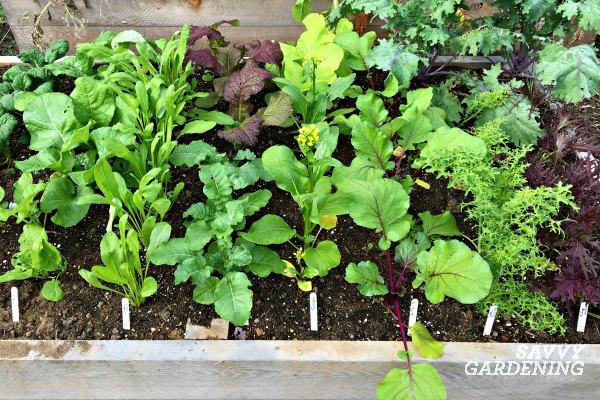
(263, 370)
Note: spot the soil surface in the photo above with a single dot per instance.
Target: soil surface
(281, 310)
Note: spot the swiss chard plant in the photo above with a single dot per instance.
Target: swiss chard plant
(447, 268)
(214, 254)
(122, 271)
(307, 181)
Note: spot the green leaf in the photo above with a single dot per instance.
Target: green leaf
(8, 123)
(56, 50)
(52, 291)
(195, 268)
(264, 262)
(574, 73)
(255, 201)
(426, 384)
(270, 229)
(452, 269)
(204, 293)
(356, 47)
(49, 119)
(372, 144)
(93, 101)
(366, 275)
(415, 130)
(519, 120)
(586, 11)
(428, 347)
(233, 299)
(301, 9)
(149, 287)
(197, 126)
(449, 139)
(391, 56)
(192, 154)
(443, 224)
(371, 108)
(160, 235)
(278, 111)
(323, 257)
(62, 195)
(198, 234)
(172, 252)
(217, 185)
(289, 173)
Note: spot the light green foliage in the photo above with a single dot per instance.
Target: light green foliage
(213, 255)
(122, 267)
(452, 269)
(270, 229)
(61, 195)
(428, 347)
(366, 275)
(485, 40)
(395, 58)
(26, 203)
(573, 74)
(441, 225)
(37, 258)
(587, 13)
(508, 213)
(424, 383)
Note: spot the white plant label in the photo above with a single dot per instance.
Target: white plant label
(583, 313)
(14, 303)
(489, 323)
(313, 312)
(125, 312)
(412, 317)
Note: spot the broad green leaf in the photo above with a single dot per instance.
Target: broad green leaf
(305, 286)
(197, 126)
(8, 123)
(195, 268)
(428, 347)
(63, 196)
(217, 185)
(519, 120)
(419, 99)
(255, 201)
(192, 154)
(52, 291)
(372, 144)
(323, 257)
(198, 235)
(49, 119)
(372, 109)
(301, 9)
(172, 252)
(366, 275)
(149, 287)
(574, 73)
(356, 47)
(278, 111)
(415, 130)
(270, 229)
(233, 299)
(423, 384)
(160, 235)
(289, 173)
(392, 56)
(452, 269)
(93, 101)
(264, 262)
(443, 224)
(204, 293)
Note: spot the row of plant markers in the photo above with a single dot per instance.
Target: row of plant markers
(113, 141)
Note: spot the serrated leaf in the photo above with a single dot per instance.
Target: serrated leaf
(246, 134)
(452, 269)
(366, 275)
(573, 73)
(391, 56)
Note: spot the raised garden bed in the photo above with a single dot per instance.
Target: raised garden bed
(434, 202)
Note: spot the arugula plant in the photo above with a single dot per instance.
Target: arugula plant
(213, 254)
(31, 77)
(508, 214)
(310, 188)
(122, 268)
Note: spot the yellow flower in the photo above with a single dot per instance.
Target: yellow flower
(311, 58)
(308, 135)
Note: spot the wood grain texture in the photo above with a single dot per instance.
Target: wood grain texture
(261, 370)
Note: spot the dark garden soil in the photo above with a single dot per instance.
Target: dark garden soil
(280, 309)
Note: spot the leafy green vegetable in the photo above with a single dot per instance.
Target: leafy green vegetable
(366, 275)
(270, 229)
(423, 383)
(428, 347)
